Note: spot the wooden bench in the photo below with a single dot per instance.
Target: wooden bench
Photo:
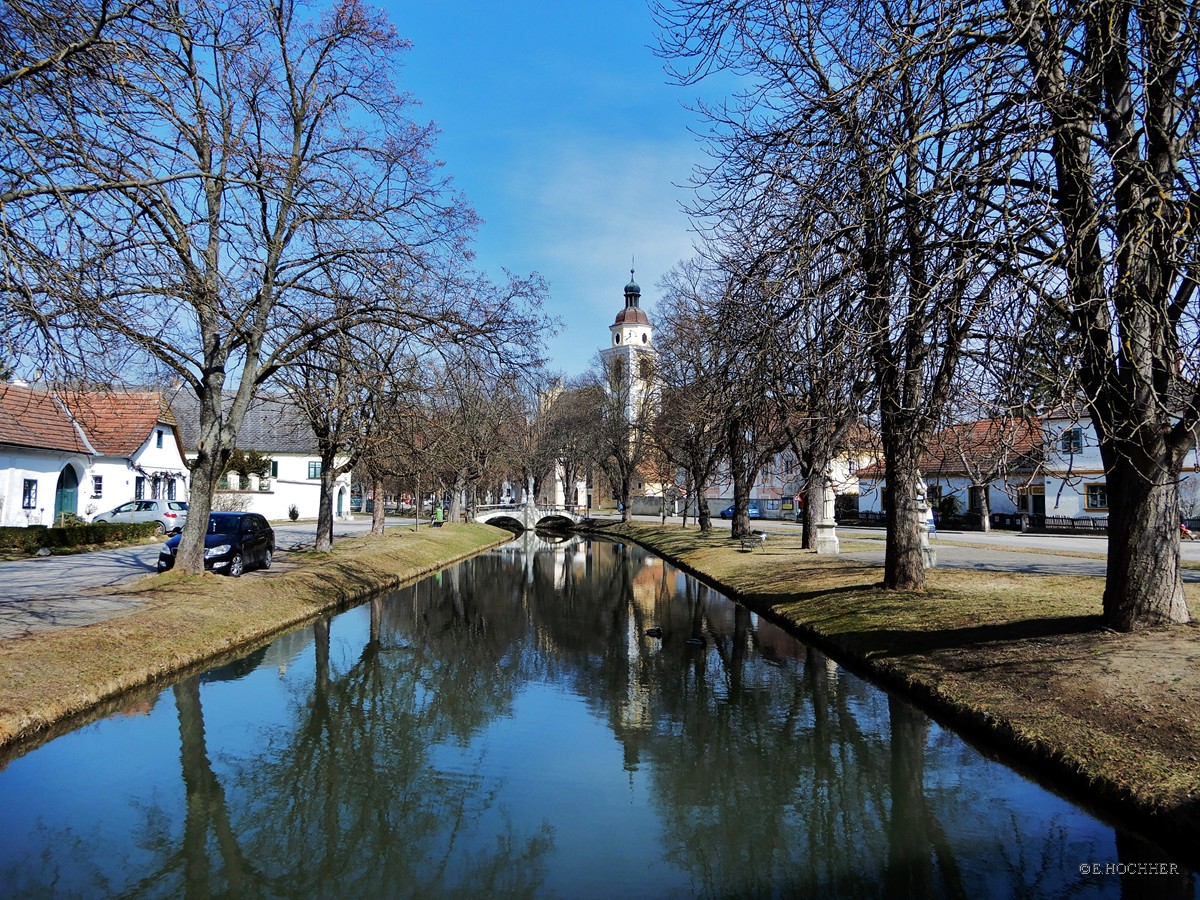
(754, 539)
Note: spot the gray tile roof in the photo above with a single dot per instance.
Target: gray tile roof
(273, 423)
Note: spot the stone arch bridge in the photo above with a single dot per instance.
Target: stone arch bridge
(527, 516)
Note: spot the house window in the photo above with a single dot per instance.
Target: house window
(934, 497)
(852, 466)
(314, 470)
(1072, 440)
(170, 488)
(139, 488)
(29, 494)
(274, 468)
(1097, 497)
(97, 486)
(976, 499)
(158, 439)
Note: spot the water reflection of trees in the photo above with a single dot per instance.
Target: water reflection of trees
(366, 807)
(346, 798)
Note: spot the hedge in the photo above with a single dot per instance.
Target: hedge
(32, 539)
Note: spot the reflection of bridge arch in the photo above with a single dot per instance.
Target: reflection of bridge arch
(527, 516)
(529, 545)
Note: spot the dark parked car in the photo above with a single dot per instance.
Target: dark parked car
(754, 512)
(235, 542)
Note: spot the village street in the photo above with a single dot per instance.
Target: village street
(45, 592)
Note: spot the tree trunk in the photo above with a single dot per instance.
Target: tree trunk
(741, 483)
(324, 541)
(214, 446)
(206, 471)
(814, 508)
(1143, 586)
(703, 516)
(377, 511)
(903, 566)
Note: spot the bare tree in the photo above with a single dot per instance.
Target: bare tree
(264, 176)
(570, 431)
(1113, 163)
(623, 417)
(688, 426)
(872, 115)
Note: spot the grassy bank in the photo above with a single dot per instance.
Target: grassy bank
(50, 679)
(1021, 662)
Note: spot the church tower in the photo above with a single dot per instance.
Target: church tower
(630, 354)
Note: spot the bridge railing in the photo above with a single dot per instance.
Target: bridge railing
(540, 507)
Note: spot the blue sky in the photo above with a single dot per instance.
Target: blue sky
(560, 127)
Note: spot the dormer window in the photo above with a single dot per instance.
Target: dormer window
(158, 439)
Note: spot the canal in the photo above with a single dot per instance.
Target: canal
(507, 728)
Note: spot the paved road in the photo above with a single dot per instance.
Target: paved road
(995, 551)
(42, 593)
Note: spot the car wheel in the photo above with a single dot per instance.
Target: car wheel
(266, 560)
(236, 566)
(162, 529)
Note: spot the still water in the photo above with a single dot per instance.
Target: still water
(507, 729)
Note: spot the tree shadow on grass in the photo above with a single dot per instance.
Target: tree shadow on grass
(901, 642)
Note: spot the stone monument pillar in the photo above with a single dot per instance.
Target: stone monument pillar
(928, 553)
(827, 539)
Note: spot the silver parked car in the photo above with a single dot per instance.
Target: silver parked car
(171, 515)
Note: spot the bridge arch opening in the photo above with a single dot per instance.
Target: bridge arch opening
(508, 523)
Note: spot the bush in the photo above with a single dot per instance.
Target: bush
(28, 540)
(293, 512)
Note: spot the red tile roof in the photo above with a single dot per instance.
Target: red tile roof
(117, 422)
(983, 444)
(31, 417)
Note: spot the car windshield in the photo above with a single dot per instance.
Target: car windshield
(223, 524)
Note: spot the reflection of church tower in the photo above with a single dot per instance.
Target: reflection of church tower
(630, 355)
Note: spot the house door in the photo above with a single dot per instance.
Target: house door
(340, 495)
(66, 493)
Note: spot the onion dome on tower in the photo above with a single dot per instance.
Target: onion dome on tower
(632, 314)
(632, 326)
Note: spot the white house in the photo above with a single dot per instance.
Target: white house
(991, 466)
(82, 451)
(1048, 467)
(277, 429)
(1075, 481)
